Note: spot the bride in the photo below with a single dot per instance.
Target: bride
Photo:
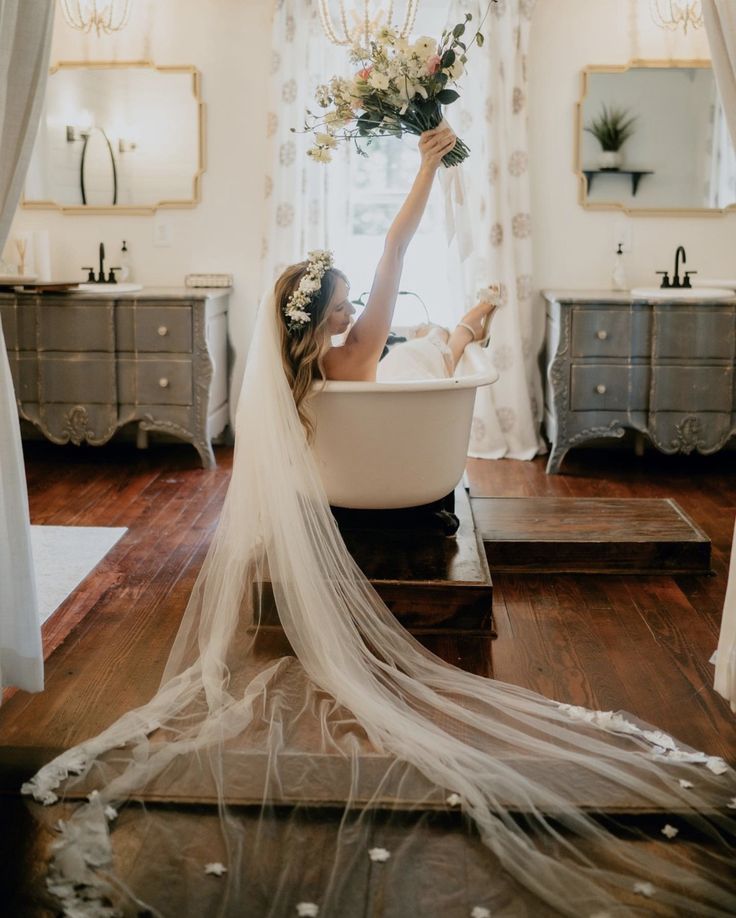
(309, 770)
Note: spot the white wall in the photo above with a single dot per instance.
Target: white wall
(574, 247)
(229, 41)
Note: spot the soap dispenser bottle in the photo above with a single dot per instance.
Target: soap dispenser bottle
(618, 274)
(126, 268)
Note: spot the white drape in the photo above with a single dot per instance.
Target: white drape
(491, 116)
(720, 24)
(25, 43)
(298, 199)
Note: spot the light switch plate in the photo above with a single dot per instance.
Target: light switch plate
(162, 233)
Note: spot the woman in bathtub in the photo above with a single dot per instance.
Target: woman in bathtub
(311, 299)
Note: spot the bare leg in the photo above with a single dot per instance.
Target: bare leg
(460, 338)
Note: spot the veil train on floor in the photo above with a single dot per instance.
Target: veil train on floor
(275, 775)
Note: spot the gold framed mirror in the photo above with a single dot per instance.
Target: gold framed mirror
(651, 139)
(118, 137)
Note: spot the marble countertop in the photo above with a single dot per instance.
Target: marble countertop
(622, 296)
(148, 293)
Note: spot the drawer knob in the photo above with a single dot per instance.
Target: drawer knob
(600, 389)
(601, 335)
(163, 382)
(163, 330)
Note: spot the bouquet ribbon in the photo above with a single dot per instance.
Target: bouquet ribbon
(457, 215)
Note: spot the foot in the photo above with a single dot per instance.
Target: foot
(477, 320)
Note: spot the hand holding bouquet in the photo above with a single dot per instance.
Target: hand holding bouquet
(399, 88)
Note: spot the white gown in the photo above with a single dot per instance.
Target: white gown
(429, 357)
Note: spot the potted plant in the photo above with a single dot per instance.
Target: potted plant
(612, 128)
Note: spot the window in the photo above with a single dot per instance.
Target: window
(376, 187)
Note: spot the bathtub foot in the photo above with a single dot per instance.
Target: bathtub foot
(448, 522)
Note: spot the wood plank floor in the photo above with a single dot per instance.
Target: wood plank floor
(608, 641)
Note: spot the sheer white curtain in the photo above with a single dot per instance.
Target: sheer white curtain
(491, 116)
(300, 194)
(25, 43)
(720, 24)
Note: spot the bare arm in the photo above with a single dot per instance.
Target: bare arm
(368, 336)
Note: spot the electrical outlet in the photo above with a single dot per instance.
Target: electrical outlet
(622, 233)
(162, 233)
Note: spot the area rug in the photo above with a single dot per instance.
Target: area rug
(63, 556)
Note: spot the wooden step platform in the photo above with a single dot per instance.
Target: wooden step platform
(433, 584)
(596, 535)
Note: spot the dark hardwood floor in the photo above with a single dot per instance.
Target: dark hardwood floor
(635, 642)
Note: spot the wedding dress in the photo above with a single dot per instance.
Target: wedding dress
(262, 781)
(428, 356)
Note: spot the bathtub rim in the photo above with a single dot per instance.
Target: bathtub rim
(474, 381)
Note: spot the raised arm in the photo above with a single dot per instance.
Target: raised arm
(368, 336)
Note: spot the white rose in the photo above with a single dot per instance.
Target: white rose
(424, 47)
(378, 80)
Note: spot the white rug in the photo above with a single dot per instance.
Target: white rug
(63, 556)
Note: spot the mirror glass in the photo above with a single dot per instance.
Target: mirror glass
(117, 136)
(654, 137)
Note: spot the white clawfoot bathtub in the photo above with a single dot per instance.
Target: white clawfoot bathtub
(383, 446)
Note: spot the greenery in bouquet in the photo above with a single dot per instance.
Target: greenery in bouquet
(400, 87)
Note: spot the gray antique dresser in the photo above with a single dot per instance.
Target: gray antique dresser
(664, 369)
(84, 364)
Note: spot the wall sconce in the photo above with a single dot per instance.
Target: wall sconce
(126, 146)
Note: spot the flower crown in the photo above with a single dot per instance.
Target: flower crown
(296, 309)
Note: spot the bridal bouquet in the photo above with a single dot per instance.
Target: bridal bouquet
(399, 88)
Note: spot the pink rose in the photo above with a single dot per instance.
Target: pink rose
(364, 73)
(433, 64)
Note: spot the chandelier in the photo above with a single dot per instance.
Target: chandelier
(101, 15)
(673, 14)
(363, 20)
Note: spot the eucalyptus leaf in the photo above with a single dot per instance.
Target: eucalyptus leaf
(447, 96)
(479, 39)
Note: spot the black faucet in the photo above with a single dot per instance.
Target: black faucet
(676, 282)
(101, 279)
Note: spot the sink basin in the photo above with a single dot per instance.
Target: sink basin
(682, 293)
(109, 288)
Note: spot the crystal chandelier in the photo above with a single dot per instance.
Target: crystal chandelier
(101, 15)
(673, 14)
(363, 20)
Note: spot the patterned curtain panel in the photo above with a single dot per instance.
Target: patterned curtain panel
(25, 44)
(491, 117)
(300, 193)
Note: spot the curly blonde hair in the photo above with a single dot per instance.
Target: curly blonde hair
(303, 348)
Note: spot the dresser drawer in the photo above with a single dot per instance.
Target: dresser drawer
(148, 381)
(697, 389)
(608, 387)
(601, 332)
(163, 329)
(84, 327)
(698, 332)
(77, 379)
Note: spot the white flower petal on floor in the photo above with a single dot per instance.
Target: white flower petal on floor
(216, 869)
(716, 765)
(670, 831)
(480, 911)
(379, 854)
(644, 889)
(93, 796)
(307, 910)
(731, 805)
(111, 813)
(686, 784)
(454, 800)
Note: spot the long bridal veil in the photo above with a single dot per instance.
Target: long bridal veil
(305, 755)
